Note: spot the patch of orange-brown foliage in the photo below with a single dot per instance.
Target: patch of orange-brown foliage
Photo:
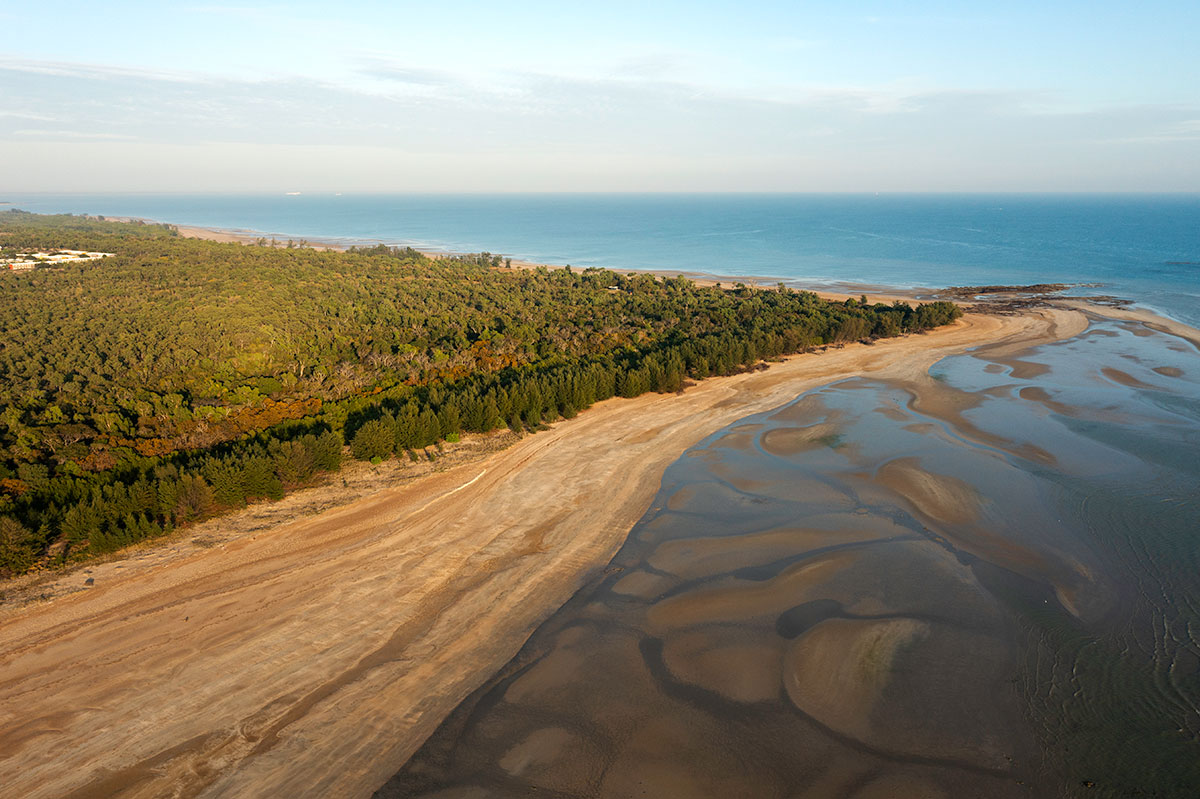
(203, 433)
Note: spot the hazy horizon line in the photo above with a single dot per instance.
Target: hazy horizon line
(603, 193)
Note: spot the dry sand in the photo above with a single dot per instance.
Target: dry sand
(313, 657)
(240, 237)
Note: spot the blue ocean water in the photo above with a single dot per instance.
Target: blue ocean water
(1142, 247)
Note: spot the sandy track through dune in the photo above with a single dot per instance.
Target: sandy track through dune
(313, 658)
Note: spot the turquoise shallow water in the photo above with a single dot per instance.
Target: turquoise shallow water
(1142, 247)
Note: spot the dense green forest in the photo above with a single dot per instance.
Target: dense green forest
(182, 378)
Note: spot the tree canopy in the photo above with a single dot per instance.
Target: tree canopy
(182, 377)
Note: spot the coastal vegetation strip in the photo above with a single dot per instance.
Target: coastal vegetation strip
(182, 378)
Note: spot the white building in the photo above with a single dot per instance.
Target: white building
(28, 260)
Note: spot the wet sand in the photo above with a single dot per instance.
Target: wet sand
(314, 657)
(883, 589)
(1153, 321)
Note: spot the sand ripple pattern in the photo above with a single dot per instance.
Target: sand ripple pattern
(917, 586)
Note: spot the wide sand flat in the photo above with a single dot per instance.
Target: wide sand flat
(313, 658)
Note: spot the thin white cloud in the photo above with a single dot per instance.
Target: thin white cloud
(653, 66)
(70, 69)
(36, 117)
(542, 131)
(47, 134)
(400, 72)
(1187, 130)
(416, 77)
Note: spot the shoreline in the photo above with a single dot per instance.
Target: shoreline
(313, 644)
(829, 290)
(315, 655)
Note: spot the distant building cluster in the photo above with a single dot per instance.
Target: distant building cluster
(30, 260)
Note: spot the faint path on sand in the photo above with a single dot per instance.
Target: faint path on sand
(313, 658)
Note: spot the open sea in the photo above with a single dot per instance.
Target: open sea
(983, 580)
(1141, 247)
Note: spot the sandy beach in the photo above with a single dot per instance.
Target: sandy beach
(313, 656)
(737, 401)
(243, 237)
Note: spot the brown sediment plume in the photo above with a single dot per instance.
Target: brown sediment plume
(955, 511)
(894, 578)
(684, 496)
(865, 576)
(740, 665)
(1124, 378)
(899, 786)
(631, 740)
(806, 410)
(739, 600)
(691, 558)
(932, 398)
(736, 439)
(837, 672)
(1038, 394)
(794, 440)
(685, 754)
(871, 679)
(811, 492)
(561, 665)
(315, 655)
(643, 585)
(940, 497)
(546, 747)
(1023, 370)
(893, 412)
(1043, 397)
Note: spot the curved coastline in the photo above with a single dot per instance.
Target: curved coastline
(828, 289)
(838, 289)
(319, 653)
(815, 522)
(315, 653)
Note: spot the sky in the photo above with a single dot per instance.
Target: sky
(616, 96)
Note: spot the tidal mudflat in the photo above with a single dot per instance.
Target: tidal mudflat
(312, 655)
(983, 580)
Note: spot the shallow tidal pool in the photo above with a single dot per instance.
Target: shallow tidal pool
(983, 583)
